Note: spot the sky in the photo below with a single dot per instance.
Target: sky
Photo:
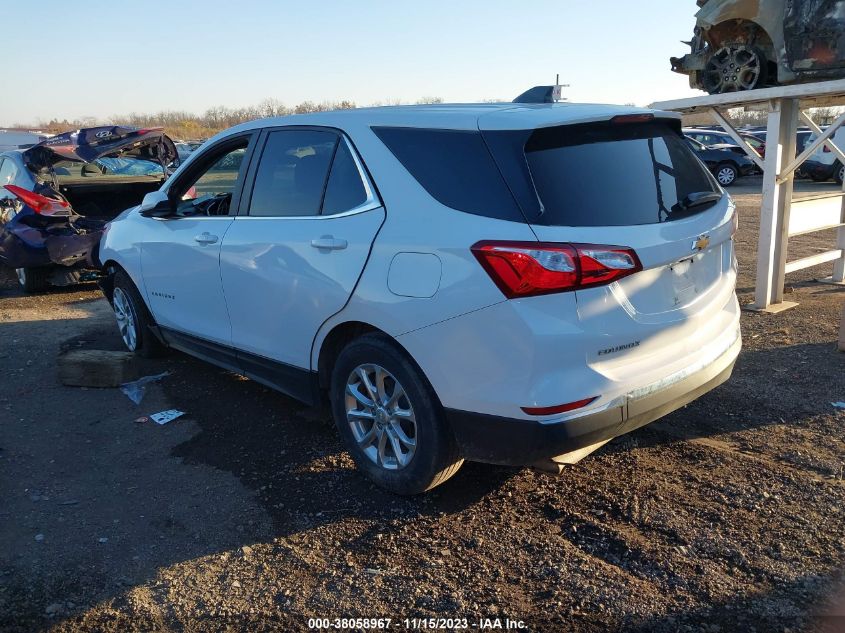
(101, 58)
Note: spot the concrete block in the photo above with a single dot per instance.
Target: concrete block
(96, 368)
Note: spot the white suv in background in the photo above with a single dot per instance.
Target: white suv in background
(461, 281)
(823, 164)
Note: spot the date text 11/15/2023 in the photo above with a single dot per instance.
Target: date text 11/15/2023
(418, 624)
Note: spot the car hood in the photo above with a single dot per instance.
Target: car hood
(89, 144)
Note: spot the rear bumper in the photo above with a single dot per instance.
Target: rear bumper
(746, 170)
(815, 169)
(506, 441)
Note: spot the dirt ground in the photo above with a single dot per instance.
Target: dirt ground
(246, 514)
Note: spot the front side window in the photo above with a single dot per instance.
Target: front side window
(209, 191)
(220, 178)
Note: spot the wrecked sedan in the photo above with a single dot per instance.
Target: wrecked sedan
(747, 44)
(57, 196)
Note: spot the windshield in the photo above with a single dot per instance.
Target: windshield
(615, 175)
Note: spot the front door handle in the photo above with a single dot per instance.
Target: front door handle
(329, 242)
(206, 238)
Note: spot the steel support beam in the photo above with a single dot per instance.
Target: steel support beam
(774, 214)
(731, 130)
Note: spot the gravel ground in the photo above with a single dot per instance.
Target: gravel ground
(246, 514)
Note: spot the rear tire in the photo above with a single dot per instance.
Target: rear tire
(33, 279)
(391, 422)
(839, 173)
(134, 320)
(726, 174)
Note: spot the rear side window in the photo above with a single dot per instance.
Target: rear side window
(345, 189)
(614, 175)
(292, 174)
(454, 167)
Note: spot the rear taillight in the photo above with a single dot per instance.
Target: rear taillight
(826, 149)
(560, 408)
(527, 269)
(38, 203)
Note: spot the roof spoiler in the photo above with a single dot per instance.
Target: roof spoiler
(539, 94)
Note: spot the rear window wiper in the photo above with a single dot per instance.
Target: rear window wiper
(696, 199)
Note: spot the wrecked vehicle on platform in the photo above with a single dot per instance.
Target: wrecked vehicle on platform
(57, 196)
(747, 44)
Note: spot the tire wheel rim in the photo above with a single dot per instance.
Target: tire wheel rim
(21, 276)
(381, 417)
(731, 69)
(125, 319)
(842, 173)
(726, 176)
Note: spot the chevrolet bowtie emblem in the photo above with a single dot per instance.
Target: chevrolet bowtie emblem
(701, 243)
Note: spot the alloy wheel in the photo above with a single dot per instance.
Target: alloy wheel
(126, 322)
(734, 68)
(381, 416)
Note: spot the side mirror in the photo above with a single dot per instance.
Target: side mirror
(156, 204)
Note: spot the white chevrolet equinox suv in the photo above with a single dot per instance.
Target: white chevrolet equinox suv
(506, 283)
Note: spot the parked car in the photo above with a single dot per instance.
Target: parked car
(56, 197)
(725, 164)
(823, 164)
(723, 140)
(455, 280)
(184, 150)
(747, 44)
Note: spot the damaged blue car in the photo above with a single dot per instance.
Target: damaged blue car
(57, 196)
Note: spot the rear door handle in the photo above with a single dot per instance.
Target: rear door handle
(329, 242)
(206, 238)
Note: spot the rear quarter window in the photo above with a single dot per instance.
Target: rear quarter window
(613, 175)
(455, 167)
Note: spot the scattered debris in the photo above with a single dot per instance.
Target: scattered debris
(39, 537)
(135, 390)
(54, 609)
(102, 539)
(838, 405)
(164, 417)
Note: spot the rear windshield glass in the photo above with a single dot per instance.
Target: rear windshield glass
(108, 168)
(455, 168)
(615, 175)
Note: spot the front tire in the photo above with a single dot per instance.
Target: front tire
(390, 419)
(726, 174)
(839, 173)
(134, 321)
(33, 279)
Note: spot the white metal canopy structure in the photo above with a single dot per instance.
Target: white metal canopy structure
(780, 215)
